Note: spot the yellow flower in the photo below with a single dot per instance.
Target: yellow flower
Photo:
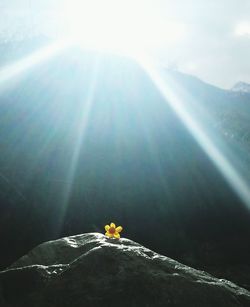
(112, 231)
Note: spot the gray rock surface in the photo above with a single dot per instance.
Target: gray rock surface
(91, 270)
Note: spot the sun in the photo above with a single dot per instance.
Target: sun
(127, 27)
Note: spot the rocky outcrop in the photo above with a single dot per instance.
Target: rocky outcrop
(91, 270)
(242, 87)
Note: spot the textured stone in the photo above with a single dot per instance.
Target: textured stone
(91, 270)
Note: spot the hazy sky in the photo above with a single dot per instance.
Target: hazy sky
(214, 43)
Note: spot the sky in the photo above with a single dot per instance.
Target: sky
(211, 38)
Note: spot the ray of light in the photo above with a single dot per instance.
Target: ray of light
(14, 69)
(181, 107)
(84, 114)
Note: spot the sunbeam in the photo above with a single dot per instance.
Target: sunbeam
(12, 70)
(83, 118)
(180, 105)
(133, 113)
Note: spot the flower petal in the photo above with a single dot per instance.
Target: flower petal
(112, 225)
(107, 227)
(118, 229)
(108, 234)
(117, 235)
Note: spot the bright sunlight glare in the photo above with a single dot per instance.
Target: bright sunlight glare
(126, 27)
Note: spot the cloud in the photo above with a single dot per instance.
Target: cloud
(243, 29)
